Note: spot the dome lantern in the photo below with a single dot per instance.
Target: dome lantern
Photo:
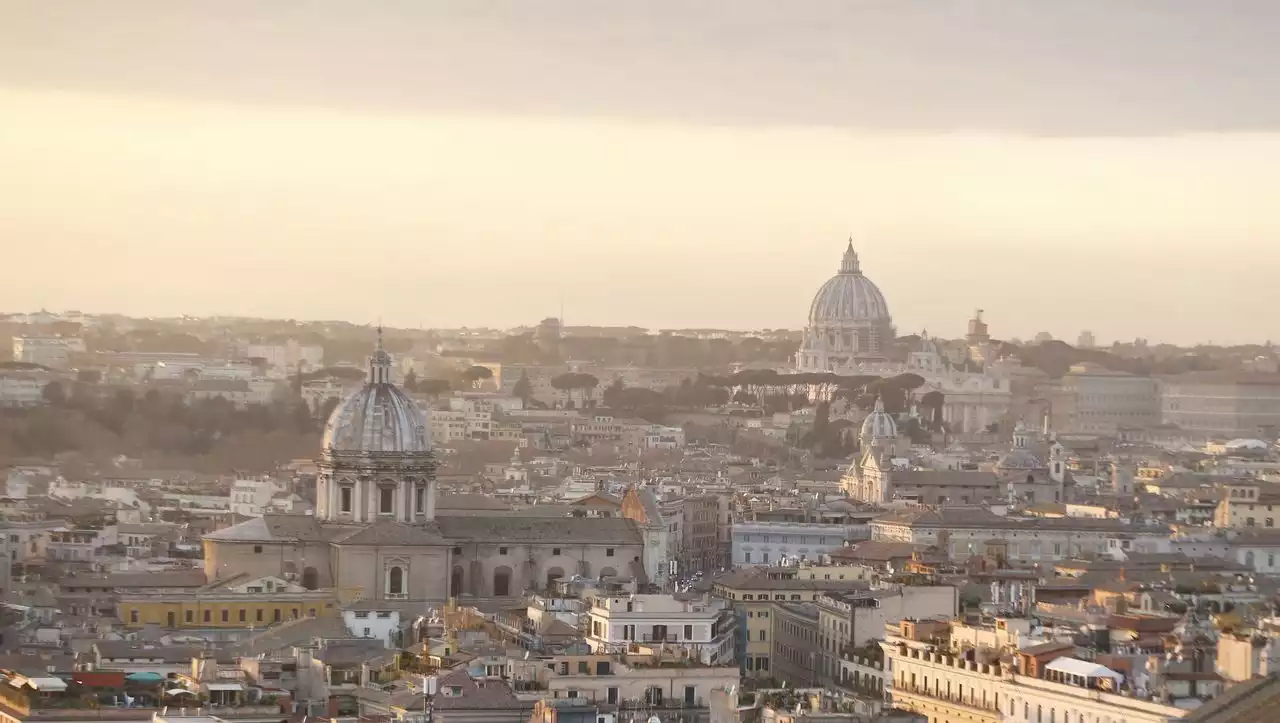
(849, 264)
(376, 460)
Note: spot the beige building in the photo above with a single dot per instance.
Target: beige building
(1206, 404)
(376, 534)
(794, 633)
(1102, 401)
(1246, 503)
(753, 593)
(699, 630)
(632, 682)
(964, 532)
(956, 673)
(847, 621)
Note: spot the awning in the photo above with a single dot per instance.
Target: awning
(54, 684)
(144, 677)
(178, 691)
(225, 686)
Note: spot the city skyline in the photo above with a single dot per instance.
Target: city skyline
(1113, 181)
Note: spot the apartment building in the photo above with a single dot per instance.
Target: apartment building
(696, 630)
(753, 593)
(1102, 401)
(1230, 404)
(963, 532)
(771, 543)
(1003, 670)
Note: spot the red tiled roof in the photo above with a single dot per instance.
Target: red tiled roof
(108, 679)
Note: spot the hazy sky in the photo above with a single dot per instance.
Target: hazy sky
(1069, 165)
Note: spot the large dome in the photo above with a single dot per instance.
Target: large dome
(848, 297)
(378, 418)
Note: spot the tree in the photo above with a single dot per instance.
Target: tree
(327, 407)
(54, 394)
(524, 388)
(612, 394)
(931, 410)
(434, 387)
(473, 375)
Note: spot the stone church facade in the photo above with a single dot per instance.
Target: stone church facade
(378, 534)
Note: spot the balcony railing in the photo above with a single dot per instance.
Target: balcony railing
(669, 703)
(951, 699)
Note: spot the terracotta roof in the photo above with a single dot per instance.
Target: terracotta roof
(1247, 702)
(491, 695)
(538, 529)
(104, 679)
(388, 532)
(876, 551)
(272, 528)
(945, 478)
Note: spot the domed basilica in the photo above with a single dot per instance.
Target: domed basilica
(849, 321)
(378, 534)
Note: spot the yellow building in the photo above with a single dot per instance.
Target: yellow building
(242, 604)
(752, 591)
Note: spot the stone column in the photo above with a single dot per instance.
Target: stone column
(431, 501)
(361, 499)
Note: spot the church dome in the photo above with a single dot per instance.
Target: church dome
(848, 297)
(379, 417)
(1020, 458)
(879, 424)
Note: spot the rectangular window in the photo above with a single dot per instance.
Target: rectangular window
(608, 552)
(190, 616)
(208, 616)
(555, 551)
(226, 616)
(242, 616)
(344, 498)
(688, 632)
(133, 616)
(257, 549)
(502, 550)
(386, 500)
(419, 499)
(257, 615)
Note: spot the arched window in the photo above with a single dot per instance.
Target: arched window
(502, 582)
(310, 578)
(395, 580)
(455, 581)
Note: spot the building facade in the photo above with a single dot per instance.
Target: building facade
(376, 533)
